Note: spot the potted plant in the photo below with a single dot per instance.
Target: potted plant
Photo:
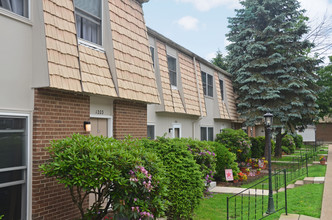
(322, 160)
(258, 171)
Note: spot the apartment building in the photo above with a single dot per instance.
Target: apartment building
(65, 64)
(197, 98)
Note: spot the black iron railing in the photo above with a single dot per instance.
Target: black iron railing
(252, 203)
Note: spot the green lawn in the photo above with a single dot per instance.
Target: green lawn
(305, 200)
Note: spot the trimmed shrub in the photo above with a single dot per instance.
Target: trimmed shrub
(204, 156)
(258, 146)
(288, 142)
(225, 160)
(237, 141)
(128, 177)
(186, 184)
(298, 139)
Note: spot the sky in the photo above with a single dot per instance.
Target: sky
(200, 25)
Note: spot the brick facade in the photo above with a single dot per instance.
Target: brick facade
(324, 132)
(57, 115)
(130, 118)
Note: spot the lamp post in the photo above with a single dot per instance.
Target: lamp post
(268, 124)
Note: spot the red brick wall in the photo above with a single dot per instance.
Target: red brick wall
(56, 115)
(130, 118)
(324, 132)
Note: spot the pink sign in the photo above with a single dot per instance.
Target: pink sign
(229, 174)
(260, 163)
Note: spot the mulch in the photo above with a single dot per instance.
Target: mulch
(239, 183)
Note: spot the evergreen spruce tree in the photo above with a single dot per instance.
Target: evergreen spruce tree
(270, 66)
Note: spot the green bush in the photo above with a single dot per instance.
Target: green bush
(298, 139)
(204, 156)
(258, 146)
(127, 176)
(285, 150)
(225, 160)
(237, 141)
(288, 142)
(186, 184)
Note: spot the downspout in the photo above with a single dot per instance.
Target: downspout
(199, 100)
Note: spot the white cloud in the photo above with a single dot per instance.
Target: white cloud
(188, 23)
(210, 56)
(206, 5)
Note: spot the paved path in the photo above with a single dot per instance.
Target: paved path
(296, 217)
(326, 213)
(236, 190)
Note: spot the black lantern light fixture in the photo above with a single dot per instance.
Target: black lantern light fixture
(268, 127)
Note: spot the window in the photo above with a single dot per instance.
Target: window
(151, 132)
(207, 134)
(221, 83)
(152, 54)
(19, 7)
(172, 70)
(13, 166)
(207, 81)
(88, 20)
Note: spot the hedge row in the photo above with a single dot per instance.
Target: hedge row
(140, 179)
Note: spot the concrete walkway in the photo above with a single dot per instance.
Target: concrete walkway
(296, 217)
(326, 213)
(236, 190)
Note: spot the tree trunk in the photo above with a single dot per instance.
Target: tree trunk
(278, 149)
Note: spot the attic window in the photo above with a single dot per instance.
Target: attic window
(19, 7)
(88, 20)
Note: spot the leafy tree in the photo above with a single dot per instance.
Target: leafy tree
(270, 66)
(220, 61)
(324, 97)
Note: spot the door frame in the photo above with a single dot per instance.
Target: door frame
(109, 122)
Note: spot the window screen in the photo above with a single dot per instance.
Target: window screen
(151, 134)
(172, 70)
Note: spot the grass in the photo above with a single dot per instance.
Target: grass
(304, 200)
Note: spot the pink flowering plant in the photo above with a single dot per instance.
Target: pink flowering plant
(119, 174)
(204, 156)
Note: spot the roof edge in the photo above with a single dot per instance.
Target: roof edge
(161, 37)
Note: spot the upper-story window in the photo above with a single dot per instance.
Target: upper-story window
(20, 7)
(172, 70)
(207, 81)
(88, 20)
(221, 83)
(152, 54)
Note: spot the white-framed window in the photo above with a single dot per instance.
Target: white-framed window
(207, 134)
(151, 132)
(221, 83)
(207, 81)
(14, 163)
(20, 7)
(177, 131)
(171, 61)
(88, 20)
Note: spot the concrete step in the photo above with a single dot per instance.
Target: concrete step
(212, 185)
(299, 183)
(291, 186)
(314, 180)
(296, 217)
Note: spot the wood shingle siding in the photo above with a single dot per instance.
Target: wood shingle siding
(224, 114)
(189, 84)
(96, 75)
(61, 45)
(133, 61)
(84, 69)
(231, 99)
